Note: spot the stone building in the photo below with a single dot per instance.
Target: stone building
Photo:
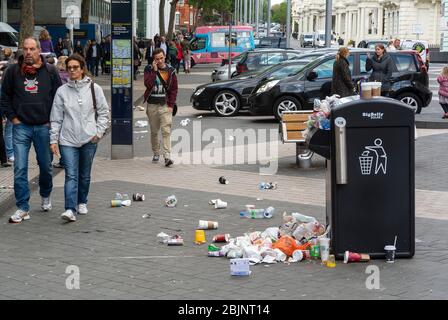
(372, 19)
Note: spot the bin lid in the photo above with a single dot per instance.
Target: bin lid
(374, 112)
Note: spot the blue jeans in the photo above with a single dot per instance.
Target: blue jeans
(23, 136)
(8, 139)
(77, 165)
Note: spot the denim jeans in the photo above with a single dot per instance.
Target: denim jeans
(77, 165)
(23, 136)
(8, 139)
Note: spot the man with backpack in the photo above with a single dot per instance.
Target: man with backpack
(161, 94)
(27, 95)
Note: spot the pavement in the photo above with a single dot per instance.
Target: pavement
(117, 253)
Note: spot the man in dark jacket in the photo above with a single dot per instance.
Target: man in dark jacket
(94, 53)
(161, 94)
(27, 95)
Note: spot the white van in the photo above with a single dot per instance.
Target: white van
(421, 46)
(9, 37)
(319, 39)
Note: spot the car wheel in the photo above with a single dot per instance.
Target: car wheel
(226, 103)
(411, 100)
(287, 103)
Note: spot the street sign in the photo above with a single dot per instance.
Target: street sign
(71, 9)
(122, 75)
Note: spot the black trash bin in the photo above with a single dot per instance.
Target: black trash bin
(370, 176)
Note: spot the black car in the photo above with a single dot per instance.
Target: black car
(409, 83)
(370, 44)
(261, 58)
(271, 42)
(227, 97)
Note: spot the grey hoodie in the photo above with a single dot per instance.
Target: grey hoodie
(73, 116)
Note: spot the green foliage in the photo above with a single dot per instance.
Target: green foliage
(278, 13)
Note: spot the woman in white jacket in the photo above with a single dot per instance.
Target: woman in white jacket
(76, 127)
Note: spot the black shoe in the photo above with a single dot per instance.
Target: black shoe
(155, 159)
(6, 164)
(168, 162)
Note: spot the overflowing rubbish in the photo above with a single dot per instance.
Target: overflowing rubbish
(171, 201)
(223, 180)
(141, 124)
(253, 213)
(355, 257)
(207, 225)
(221, 238)
(320, 117)
(324, 248)
(199, 237)
(138, 197)
(240, 267)
(267, 186)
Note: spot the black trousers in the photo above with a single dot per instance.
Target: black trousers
(444, 107)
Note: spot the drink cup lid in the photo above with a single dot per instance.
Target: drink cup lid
(390, 247)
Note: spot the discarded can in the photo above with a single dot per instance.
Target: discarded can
(216, 254)
(306, 254)
(221, 238)
(171, 201)
(267, 186)
(120, 203)
(314, 252)
(223, 180)
(355, 257)
(138, 197)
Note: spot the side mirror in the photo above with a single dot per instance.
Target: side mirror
(312, 76)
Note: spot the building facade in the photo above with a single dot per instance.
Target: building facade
(184, 16)
(373, 19)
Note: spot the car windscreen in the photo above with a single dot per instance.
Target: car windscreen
(8, 39)
(288, 70)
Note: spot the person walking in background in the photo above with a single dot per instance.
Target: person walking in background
(382, 66)
(342, 84)
(180, 56)
(172, 54)
(442, 79)
(161, 94)
(86, 48)
(27, 94)
(79, 119)
(149, 51)
(163, 45)
(3, 157)
(105, 57)
(137, 59)
(93, 57)
(67, 45)
(78, 49)
(45, 42)
(9, 60)
(58, 48)
(187, 59)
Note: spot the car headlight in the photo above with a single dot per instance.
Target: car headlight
(199, 91)
(267, 86)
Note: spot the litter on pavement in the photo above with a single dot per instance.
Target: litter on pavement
(141, 124)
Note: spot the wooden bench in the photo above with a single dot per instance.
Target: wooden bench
(292, 125)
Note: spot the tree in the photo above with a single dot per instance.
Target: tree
(173, 5)
(162, 17)
(85, 11)
(279, 13)
(26, 20)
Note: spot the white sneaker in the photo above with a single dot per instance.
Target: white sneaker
(19, 216)
(69, 216)
(82, 208)
(46, 204)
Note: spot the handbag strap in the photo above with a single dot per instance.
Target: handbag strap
(92, 89)
(164, 84)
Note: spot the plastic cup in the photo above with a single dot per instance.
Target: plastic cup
(220, 204)
(199, 237)
(297, 255)
(324, 248)
(376, 89)
(390, 253)
(204, 225)
(366, 90)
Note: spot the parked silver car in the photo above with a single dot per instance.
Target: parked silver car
(222, 72)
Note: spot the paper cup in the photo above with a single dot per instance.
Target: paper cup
(220, 204)
(366, 90)
(297, 256)
(324, 244)
(205, 225)
(390, 253)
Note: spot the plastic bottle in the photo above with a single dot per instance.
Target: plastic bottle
(258, 213)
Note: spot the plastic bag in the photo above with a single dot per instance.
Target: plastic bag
(286, 244)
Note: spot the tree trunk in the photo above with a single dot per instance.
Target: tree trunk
(85, 11)
(162, 17)
(172, 18)
(26, 20)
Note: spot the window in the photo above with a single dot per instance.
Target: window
(362, 64)
(177, 20)
(271, 58)
(287, 71)
(325, 70)
(198, 44)
(404, 62)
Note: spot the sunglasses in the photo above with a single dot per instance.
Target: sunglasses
(73, 67)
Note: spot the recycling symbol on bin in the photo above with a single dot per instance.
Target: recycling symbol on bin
(373, 159)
